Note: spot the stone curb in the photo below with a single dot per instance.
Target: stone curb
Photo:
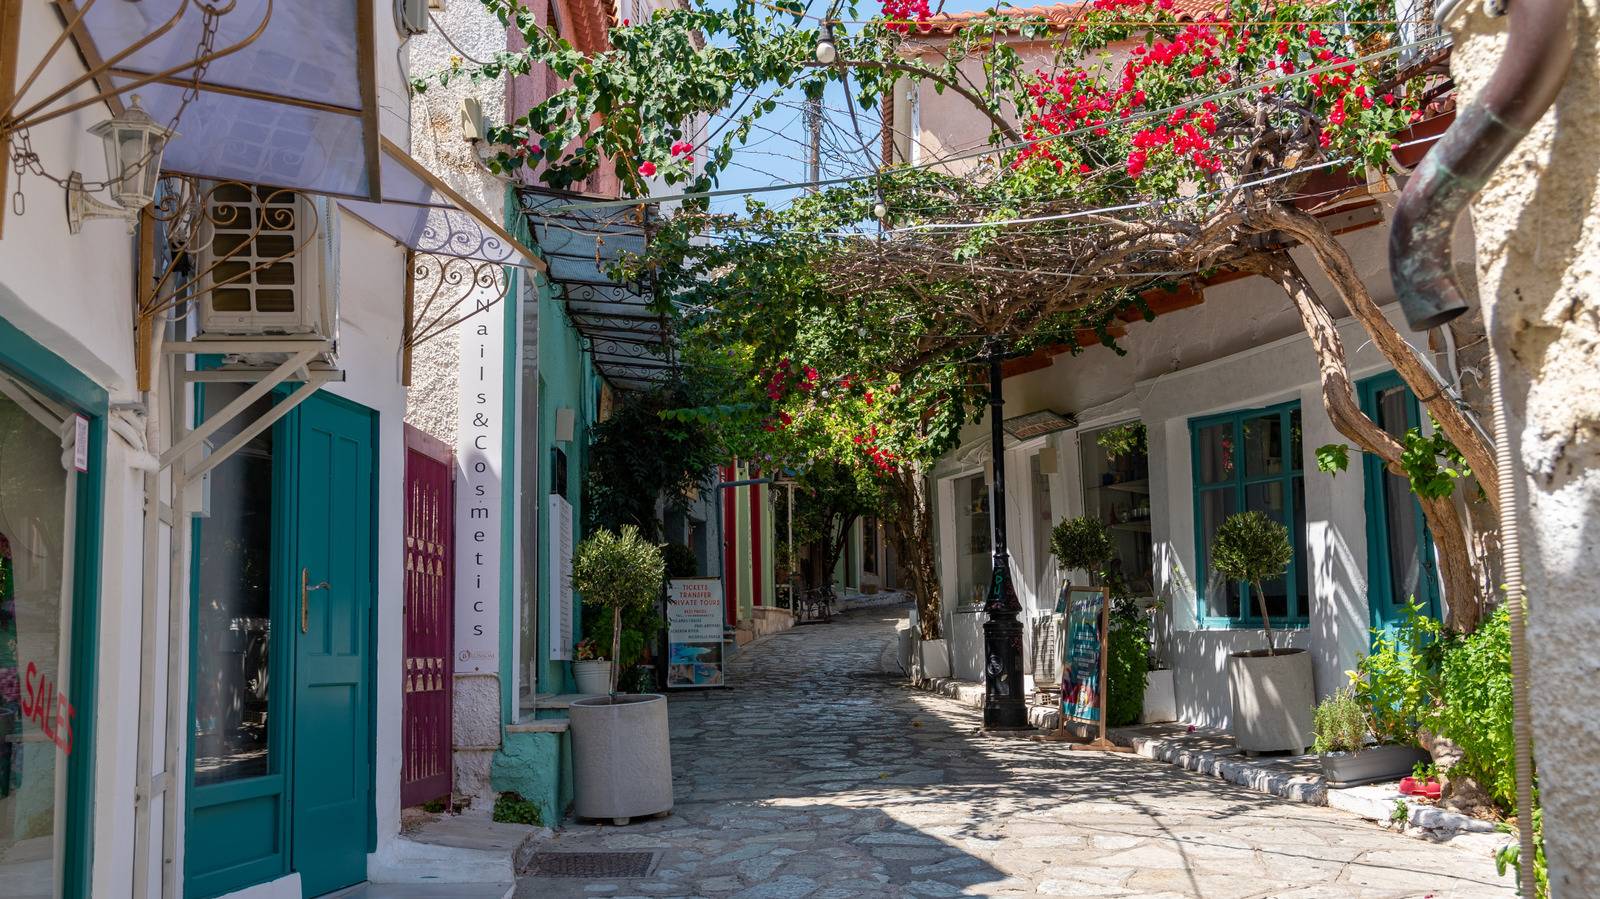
(1373, 803)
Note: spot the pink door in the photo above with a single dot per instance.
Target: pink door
(425, 772)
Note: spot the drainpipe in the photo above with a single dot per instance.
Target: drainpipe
(1538, 53)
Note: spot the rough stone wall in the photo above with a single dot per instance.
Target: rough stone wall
(464, 31)
(1538, 227)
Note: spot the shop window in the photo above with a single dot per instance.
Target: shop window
(1250, 461)
(973, 533)
(1044, 564)
(233, 605)
(1116, 490)
(39, 704)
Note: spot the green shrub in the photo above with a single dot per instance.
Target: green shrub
(1474, 709)
(511, 808)
(1127, 664)
(1341, 723)
(680, 559)
(1082, 542)
(1395, 684)
(1510, 855)
(623, 573)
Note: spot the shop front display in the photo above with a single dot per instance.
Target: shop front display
(42, 448)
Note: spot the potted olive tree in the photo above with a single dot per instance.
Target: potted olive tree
(1271, 688)
(621, 755)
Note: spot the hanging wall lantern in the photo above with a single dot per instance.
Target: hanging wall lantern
(134, 143)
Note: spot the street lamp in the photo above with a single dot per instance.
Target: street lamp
(134, 143)
(1004, 703)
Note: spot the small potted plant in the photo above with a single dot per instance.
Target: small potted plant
(590, 668)
(1085, 543)
(621, 754)
(1271, 688)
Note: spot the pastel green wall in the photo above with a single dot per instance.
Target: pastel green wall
(537, 767)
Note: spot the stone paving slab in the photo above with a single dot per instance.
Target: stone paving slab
(813, 778)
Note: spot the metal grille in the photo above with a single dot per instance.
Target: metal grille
(591, 864)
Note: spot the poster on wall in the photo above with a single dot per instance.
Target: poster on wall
(694, 633)
(1083, 676)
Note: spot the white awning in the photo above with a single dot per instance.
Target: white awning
(423, 213)
(294, 104)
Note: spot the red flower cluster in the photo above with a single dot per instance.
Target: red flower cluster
(685, 148)
(901, 13)
(1075, 101)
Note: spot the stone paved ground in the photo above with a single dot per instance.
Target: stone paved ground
(814, 777)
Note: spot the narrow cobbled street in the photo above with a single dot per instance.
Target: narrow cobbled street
(816, 775)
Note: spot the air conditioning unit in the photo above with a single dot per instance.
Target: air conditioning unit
(413, 15)
(267, 268)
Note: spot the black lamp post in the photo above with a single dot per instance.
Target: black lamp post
(1004, 704)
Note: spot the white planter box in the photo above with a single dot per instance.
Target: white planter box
(1272, 700)
(621, 757)
(935, 658)
(1160, 698)
(593, 676)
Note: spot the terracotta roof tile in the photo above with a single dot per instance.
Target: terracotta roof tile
(1058, 15)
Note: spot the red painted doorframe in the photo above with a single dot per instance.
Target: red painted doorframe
(427, 760)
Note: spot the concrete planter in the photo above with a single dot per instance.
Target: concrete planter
(935, 658)
(1160, 698)
(1350, 769)
(593, 676)
(621, 757)
(1272, 700)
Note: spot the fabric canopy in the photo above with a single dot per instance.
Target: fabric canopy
(423, 213)
(292, 102)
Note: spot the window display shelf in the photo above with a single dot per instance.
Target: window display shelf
(1141, 526)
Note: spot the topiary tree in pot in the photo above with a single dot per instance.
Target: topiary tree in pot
(619, 573)
(1083, 542)
(1251, 547)
(1271, 689)
(621, 750)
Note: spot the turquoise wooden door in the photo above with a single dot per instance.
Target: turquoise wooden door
(1400, 556)
(331, 797)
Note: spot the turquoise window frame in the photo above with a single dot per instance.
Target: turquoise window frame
(1299, 616)
(1383, 608)
(27, 359)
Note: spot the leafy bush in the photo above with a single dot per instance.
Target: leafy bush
(1127, 664)
(680, 559)
(1511, 855)
(1341, 723)
(511, 808)
(1082, 542)
(1474, 708)
(1251, 547)
(1395, 683)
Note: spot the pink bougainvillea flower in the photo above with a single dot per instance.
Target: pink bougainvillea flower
(1136, 162)
(1283, 48)
(648, 169)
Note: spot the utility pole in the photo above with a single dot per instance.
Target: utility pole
(1004, 703)
(814, 123)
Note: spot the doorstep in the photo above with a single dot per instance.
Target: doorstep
(426, 891)
(456, 850)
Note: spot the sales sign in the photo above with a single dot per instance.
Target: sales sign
(694, 633)
(1083, 677)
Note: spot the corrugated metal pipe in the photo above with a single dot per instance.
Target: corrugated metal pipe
(1537, 56)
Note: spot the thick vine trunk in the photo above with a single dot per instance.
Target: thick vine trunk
(1336, 264)
(1456, 567)
(909, 527)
